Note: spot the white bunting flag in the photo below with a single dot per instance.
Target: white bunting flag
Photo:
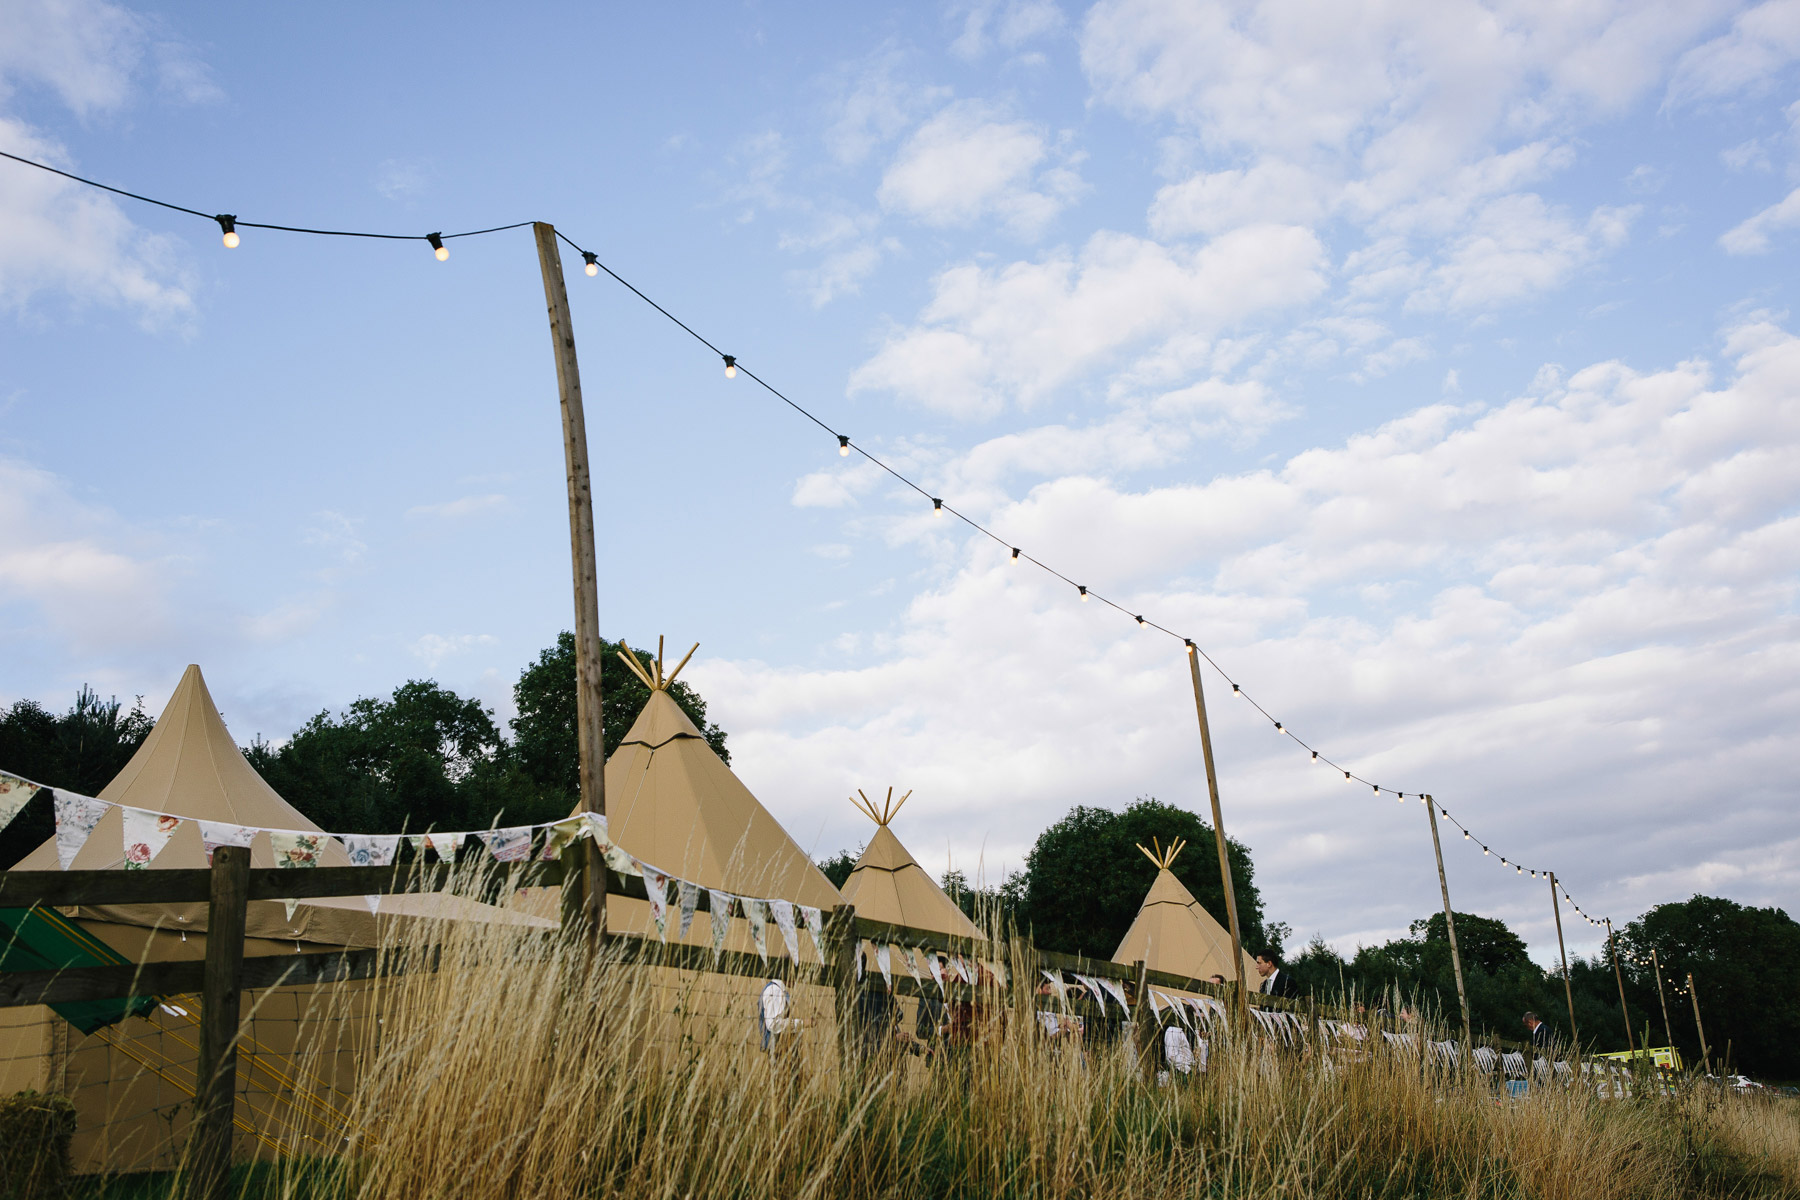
(912, 965)
(214, 834)
(146, 833)
(937, 969)
(656, 887)
(76, 816)
(618, 860)
(1058, 986)
(689, 895)
(881, 960)
(446, 844)
(1093, 985)
(418, 842)
(962, 969)
(562, 834)
(784, 921)
(859, 960)
(371, 849)
(295, 849)
(720, 903)
(1117, 993)
(507, 845)
(1155, 1006)
(290, 906)
(15, 793)
(815, 927)
(757, 913)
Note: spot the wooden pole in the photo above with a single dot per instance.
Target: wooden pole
(840, 927)
(1218, 816)
(1143, 1021)
(1437, 848)
(215, 1091)
(589, 718)
(1568, 989)
(1705, 1056)
(1613, 948)
(1668, 1031)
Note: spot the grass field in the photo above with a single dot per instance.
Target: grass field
(517, 1071)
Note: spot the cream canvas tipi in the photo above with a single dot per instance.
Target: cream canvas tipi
(887, 885)
(1173, 932)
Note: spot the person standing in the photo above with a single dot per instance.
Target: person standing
(1275, 981)
(1538, 1031)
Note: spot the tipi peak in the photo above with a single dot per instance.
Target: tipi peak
(1160, 856)
(889, 809)
(654, 679)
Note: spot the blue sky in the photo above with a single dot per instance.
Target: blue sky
(1433, 364)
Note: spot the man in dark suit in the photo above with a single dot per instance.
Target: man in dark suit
(1540, 1032)
(1275, 981)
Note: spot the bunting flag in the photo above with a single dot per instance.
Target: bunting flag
(214, 834)
(815, 926)
(371, 849)
(507, 845)
(562, 834)
(1058, 986)
(617, 859)
(656, 888)
(689, 895)
(146, 833)
(882, 953)
(1155, 1006)
(294, 849)
(1175, 1006)
(720, 903)
(912, 966)
(15, 794)
(1117, 992)
(937, 969)
(76, 816)
(1092, 985)
(784, 921)
(962, 969)
(290, 906)
(859, 960)
(418, 842)
(757, 913)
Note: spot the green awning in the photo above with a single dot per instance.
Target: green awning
(41, 939)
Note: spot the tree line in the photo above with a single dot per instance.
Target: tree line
(425, 758)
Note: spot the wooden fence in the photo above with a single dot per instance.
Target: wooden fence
(229, 885)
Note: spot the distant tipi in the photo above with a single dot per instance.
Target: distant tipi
(1173, 932)
(887, 885)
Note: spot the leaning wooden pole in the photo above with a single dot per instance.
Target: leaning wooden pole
(1705, 1054)
(1668, 1030)
(1437, 848)
(1613, 947)
(215, 1079)
(589, 720)
(1218, 816)
(1568, 990)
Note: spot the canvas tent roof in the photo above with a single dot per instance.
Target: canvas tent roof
(1173, 932)
(190, 767)
(887, 885)
(674, 804)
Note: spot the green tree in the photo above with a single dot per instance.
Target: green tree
(1085, 880)
(80, 750)
(544, 741)
(837, 868)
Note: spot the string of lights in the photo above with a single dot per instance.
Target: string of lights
(229, 224)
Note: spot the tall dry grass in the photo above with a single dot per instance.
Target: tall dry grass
(519, 1069)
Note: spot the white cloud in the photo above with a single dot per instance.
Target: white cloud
(1009, 24)
(1752, 235)
(990, 338)
(1213, 202)
(877, 104)
(970, 161)
(459, 508)
(432, 648)
(1518, 246)
(1761, 41)
(1604, 571)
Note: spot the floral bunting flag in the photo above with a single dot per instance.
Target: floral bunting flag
(784, 921)
(720, 903)
(937, 970)
(371, 849)
(76, 816)
(507, 845)
(757, 913)
(881, 960)
(912, 965)
(561, 835)
(815, 925)
(687, 898)
(962, 969)
(146, 833)
(418, 842)
(214, 834)
(656, 888)
(1117, 992)
(446, 844)
(618, 860)
(15, 793)
(294, 849)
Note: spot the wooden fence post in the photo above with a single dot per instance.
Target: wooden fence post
(215, 1090)
(1143, 1022)
(840, 933)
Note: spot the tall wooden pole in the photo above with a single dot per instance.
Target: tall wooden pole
(1705, 1055)
(215, 1082)
(1568, 989)
(1656, 965)
(1611, 945)
(1437, 848)
(1212, 789)
(589, 720)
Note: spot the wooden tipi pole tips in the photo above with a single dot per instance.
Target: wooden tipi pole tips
(654, 679)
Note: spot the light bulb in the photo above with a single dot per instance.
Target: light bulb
(1016, 559)
(437, 246)
(1278, 727)
(1346, 773)
(1140, 621)
(1377, 788)
(1315, 756)
(228, 225)
(937, 507)
(593, 263)
(843, 445)
(231, 240)
(730, 367)
(1484, 852)
(1465, 835)
(1082, 588)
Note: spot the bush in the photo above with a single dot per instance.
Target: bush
(34, 1146)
